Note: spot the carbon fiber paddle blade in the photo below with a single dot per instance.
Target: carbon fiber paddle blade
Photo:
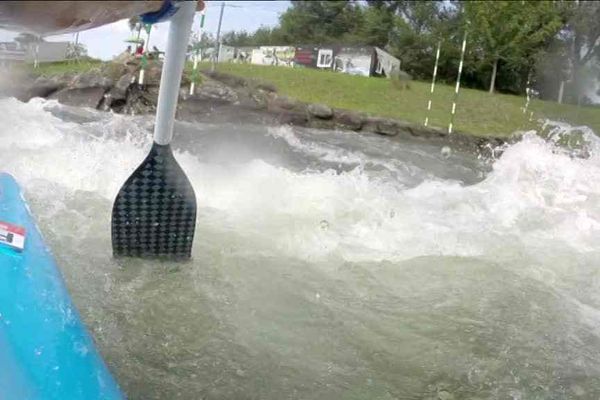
(154, 215)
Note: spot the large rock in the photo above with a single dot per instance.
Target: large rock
(321, 111)
(141, 100)
(114, 70)
(267, 87)
(348, 120)
(43, 87)
(427, 132)
(387, 127)
(152, 74)
(382, 126)
(216, 91)
(119, 90)
(259, 98)
(282, 103)
(91, 79)
(318, 123)
(293, 118)
(85, 97)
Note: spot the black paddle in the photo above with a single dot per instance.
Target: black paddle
(154, 214)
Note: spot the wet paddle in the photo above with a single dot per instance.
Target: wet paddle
(154, 214)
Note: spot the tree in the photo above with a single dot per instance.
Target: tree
(135, 24)
(76, 51)
(417, 28)
(581, 40)
(510, 32)
(26, 39)
(377, 25)
(202, 44)
(321, 22)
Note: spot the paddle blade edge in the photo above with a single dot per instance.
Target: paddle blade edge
(154, 213)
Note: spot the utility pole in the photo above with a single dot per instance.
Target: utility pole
(216, 58)
(195, 69)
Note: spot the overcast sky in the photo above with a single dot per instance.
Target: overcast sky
(107, 41)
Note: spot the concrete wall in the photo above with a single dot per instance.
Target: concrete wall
(306, 56)
(226, 53)
(354, 60)
(48, 52)
(386, 63)
(274, 55)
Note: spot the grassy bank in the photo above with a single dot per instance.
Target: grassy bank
(478, 112)
(56, 68)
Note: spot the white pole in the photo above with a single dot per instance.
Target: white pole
(561, 91)
(170, 79)
(144, 51)
(193, 84)
(457, 88)
(218, 44)
(435, 68)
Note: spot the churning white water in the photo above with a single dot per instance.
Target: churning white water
(328, 265)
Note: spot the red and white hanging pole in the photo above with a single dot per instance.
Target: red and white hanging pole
(457, 88)
(435, 68)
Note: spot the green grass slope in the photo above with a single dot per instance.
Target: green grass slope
(478, 112)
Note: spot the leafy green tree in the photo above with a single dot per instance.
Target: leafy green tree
(26, 39)
(201, 43)
(510, 32)
(321, 22)
(233, 38)
(417, 28)
(135, 24)
(581, 40)
(269, 36)
(377, 25)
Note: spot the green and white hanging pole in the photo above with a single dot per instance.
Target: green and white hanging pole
(195, 69)
(144, 60)
(457, 88)
(435, 68)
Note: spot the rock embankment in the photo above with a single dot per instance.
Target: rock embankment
(219, 97)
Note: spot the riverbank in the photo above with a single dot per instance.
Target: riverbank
(478, 112)
(300, 97)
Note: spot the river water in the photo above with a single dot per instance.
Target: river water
(327, 265)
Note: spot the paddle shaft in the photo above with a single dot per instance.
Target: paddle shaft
(170, 79)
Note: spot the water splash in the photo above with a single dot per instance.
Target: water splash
(348, 265)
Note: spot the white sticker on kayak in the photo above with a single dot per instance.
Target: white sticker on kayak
(12, 235)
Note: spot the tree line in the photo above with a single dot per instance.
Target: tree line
(511, 45)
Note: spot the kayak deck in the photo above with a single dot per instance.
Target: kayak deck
(45, 350)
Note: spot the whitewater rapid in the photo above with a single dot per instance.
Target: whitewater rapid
(328, 264)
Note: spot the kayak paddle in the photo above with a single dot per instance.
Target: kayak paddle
(154, 214)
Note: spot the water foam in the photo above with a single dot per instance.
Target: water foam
(534, 193)
(329, 282)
